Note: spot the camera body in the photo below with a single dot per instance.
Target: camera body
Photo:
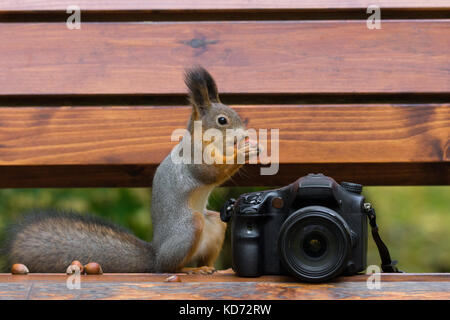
(314, 229)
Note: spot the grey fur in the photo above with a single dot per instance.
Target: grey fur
(171, 217)
(49, 241)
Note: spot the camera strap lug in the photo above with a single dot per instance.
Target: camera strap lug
(387, 265)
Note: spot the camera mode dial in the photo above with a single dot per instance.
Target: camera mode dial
(253, 198)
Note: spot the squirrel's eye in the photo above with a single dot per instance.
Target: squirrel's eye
(222, 120)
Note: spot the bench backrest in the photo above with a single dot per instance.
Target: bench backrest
(96, 106)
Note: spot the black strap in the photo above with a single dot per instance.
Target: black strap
(387, 265)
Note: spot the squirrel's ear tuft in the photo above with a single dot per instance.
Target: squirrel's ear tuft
(202, 89)
(211, 86)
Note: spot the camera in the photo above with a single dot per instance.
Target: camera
(314, 229)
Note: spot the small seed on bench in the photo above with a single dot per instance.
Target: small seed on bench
(173, 278)
(19, 268)
(93, 268)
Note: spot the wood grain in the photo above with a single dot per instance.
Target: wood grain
(121, 146)
(308, 134)
(226, 275)
(222, 285)
(311, 57)
(42, 5)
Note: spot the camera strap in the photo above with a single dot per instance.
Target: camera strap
(387, 265)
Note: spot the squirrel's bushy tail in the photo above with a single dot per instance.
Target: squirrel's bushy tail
(49, 241)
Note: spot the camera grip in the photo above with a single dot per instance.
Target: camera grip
(246, 255)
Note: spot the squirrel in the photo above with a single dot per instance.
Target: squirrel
(184, 231)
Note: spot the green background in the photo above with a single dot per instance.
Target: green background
(414, 221)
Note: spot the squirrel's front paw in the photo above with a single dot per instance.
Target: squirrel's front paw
(252, 151)
(249, 147)
(199, 270)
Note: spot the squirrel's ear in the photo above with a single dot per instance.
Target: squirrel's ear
(202, 89)
(211, 86)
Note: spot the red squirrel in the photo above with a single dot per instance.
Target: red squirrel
(184, 231)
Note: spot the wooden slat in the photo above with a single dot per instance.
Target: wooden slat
(121, 146)
(344, 57)
(227, 275)
(42, 5)
(222, 285)
(308, 134)
(77, 176)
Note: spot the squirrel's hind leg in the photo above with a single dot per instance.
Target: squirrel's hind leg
(210, 244)
(176, 250)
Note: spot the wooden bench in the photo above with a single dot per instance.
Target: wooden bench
(95, 107)
(223, 285)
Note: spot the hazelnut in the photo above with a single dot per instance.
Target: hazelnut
(93, 268)
(79, 264)
(19, 268)
(73, 268)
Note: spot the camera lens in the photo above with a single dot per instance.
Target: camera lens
(314, 244)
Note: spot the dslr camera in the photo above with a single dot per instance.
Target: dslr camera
(314, 229)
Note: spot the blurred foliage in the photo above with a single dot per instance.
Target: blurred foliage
(414, 221)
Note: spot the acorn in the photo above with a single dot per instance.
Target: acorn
(19, 268)
(93, 268)
(173, 278)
